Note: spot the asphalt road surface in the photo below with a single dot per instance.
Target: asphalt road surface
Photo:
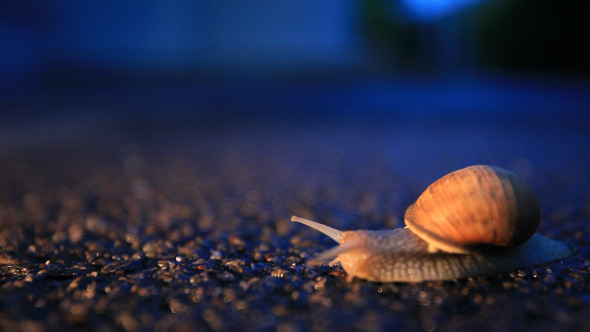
(133, 224)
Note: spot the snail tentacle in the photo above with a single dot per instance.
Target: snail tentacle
(333, 233)
(331, 256)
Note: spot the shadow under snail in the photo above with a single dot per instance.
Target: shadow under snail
(480, 220)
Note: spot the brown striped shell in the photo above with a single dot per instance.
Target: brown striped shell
(478, 206)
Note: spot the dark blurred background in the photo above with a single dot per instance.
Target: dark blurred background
(511, 62)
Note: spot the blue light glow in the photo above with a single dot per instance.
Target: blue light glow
(427, 10)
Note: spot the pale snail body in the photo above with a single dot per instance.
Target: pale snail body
(494, 199)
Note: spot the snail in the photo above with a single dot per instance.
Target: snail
(479, 220)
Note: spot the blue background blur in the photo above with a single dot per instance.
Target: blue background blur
(371, 59)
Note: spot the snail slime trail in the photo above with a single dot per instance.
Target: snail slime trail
(479, 220)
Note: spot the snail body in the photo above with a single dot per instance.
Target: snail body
(480, 220)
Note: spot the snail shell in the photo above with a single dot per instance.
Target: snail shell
(483, 222)
(474, 207)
